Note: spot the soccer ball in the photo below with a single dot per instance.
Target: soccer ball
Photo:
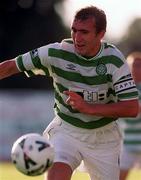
(32, 154)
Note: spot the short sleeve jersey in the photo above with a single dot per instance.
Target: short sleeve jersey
(104, 78)
(132, 130)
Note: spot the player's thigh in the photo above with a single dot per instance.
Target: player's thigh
(102, 161)
(103, 167)
(66, 149)
(59, 171)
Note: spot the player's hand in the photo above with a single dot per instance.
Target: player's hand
(76, 101)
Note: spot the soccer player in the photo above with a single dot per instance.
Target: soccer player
(93, 88)
(131, 154)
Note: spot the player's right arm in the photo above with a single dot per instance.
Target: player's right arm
(8, 68)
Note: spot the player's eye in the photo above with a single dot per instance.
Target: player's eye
(84, 32)
(73, 30)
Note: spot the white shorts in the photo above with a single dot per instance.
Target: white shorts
(99, 149)
(130, 159)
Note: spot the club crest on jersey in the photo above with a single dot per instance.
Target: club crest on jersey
(101, 69)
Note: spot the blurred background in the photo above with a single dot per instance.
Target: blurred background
(26, 104)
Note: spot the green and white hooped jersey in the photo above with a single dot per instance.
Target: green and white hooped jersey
(132, 130)
(104, 78)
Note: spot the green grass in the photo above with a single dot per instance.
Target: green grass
(8, 172)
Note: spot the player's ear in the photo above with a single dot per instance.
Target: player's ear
(101, 34)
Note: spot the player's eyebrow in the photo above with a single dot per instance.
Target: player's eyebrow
(80, 30)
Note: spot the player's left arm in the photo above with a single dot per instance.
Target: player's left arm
(127, 108)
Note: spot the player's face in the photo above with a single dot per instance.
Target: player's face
(86, 41)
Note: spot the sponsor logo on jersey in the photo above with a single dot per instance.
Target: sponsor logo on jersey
(91, 96)
(101, 69)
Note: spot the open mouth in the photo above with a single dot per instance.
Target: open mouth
(79, 46)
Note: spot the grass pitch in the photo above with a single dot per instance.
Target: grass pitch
(8, 172)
